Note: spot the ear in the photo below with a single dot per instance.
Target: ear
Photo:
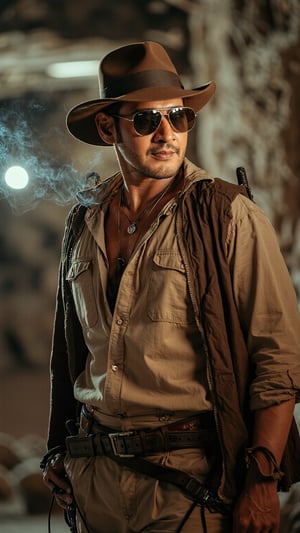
(105, 127)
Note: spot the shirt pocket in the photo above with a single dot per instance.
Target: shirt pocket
(168, 292)
(80, 277)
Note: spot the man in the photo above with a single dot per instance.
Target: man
(176, 328)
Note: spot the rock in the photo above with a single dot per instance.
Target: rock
(36, 495)
(6, 487)
(8, 454)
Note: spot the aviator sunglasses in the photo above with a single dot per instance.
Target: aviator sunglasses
(146, 121)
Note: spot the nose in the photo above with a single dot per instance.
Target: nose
(164, 132)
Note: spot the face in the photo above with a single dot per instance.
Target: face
(156, 155)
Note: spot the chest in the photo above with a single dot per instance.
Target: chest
(125, 231)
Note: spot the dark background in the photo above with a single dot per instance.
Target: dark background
(251, 48)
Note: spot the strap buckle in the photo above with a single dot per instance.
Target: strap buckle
(117, 445)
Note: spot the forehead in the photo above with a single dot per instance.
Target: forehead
(129, 107)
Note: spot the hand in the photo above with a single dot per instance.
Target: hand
(55, 478)
(258, 509)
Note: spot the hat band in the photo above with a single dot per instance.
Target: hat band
(146, 79)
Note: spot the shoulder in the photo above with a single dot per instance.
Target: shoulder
(209, 187)
(243, 208)
(75, 216)
(101, 192)
(248, 222)
(218, 194)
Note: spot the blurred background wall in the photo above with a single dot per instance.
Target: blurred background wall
(250, 47)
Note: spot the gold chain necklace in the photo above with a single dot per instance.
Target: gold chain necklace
(132, 227)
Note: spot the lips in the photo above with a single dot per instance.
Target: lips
(163, 154)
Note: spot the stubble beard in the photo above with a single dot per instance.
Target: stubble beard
(156, 170)
(163, 172)
(166, 169)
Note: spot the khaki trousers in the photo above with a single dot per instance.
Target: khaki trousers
(114, 499)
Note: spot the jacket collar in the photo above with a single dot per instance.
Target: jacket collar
(101, 194)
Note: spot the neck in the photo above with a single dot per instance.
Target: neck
(136, 197)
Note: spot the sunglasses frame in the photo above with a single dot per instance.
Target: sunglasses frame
(164, 112)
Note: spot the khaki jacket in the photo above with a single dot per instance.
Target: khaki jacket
(202, 226)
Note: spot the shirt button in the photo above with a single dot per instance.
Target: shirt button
(119, 321)
(115, 368)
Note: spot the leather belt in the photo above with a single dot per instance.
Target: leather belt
(196, 432)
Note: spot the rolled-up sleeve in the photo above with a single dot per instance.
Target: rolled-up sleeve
(267, 305)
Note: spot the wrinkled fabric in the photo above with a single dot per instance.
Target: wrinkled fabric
(123, 501)
(208, 248)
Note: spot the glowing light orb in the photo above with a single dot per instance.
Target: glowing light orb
(16, 177)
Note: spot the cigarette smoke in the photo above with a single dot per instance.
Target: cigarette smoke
(24, 142)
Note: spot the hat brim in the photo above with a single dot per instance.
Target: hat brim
(81, 118)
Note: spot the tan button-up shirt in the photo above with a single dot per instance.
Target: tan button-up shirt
(145, 363)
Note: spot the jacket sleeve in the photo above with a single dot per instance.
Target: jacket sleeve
(62, 402)
(69, 352)
(267, 306)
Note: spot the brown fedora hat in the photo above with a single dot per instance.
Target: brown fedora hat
(138, 72)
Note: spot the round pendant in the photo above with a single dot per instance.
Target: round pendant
(131, 228)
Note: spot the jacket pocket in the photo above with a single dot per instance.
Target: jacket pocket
(80, 277)
(167, 293)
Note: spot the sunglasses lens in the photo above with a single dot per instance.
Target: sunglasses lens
(182, 118)
(146, 122)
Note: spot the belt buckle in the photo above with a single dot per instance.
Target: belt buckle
(114, 444)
